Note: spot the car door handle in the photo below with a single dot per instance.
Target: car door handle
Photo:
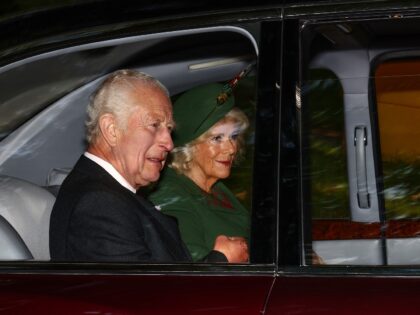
(360, 142)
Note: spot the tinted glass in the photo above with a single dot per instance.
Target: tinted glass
(397, 85)
(342, 224)
(360, 158)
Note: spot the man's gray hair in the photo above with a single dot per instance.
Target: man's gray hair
(111, 97)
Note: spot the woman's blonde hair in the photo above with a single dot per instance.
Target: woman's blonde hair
(180, 158)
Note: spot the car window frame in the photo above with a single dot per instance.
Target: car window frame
(302, 16)
(137, 268)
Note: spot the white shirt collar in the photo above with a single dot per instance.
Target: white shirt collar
(111, 170)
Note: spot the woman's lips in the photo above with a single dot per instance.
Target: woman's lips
(225, 163)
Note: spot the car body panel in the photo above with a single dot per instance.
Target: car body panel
(133, 294)
(305, 294)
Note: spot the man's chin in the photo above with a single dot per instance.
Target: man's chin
(153, 179)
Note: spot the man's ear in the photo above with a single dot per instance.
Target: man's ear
(108, 128)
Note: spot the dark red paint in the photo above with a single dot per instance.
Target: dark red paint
(333, 295)
(133, 294)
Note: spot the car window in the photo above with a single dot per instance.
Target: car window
(360, 173)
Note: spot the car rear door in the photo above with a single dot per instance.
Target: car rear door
(348, 160)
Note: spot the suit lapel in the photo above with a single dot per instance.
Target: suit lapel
(169, 227)
(168, 223)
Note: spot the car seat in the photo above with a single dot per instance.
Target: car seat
(27, 208)
(11, 244)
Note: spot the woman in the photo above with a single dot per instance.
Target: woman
(208, 138)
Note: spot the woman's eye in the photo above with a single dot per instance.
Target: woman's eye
(217, 139)
(234, 136)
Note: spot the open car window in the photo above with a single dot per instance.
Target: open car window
(43, 112)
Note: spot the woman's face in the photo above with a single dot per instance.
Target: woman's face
(213, 157)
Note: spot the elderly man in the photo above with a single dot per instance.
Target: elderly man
(98, 216)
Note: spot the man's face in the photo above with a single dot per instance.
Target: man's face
(142, 147)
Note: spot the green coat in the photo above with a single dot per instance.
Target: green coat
(201, 216)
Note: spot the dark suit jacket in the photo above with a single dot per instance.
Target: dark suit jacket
(96, 219)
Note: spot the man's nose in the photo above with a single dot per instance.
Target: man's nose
(166, 140)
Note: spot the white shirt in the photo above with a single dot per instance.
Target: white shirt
(111, 170)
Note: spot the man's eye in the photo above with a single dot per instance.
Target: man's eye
(155, 125)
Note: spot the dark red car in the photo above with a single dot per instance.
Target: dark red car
(331, 175)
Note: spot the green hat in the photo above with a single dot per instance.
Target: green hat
(198, 109)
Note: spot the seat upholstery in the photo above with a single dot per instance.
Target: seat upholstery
(27, 207)
(11, 244)
(55, 178)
